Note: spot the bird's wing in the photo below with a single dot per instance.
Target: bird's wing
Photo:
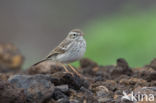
(61, 48)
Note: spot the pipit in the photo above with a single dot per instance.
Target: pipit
(71, 49)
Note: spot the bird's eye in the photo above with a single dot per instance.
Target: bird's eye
(74, 34)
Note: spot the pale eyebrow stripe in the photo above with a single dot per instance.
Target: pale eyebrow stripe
(72, 33)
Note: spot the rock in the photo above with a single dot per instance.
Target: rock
(110, 84)
(63, 88)
(122, 63)
(145, 94)
(104, 100)
(10, 58)
(11, 94)
(89, 67)
(133, 82)
(101, 91)
(101, 75)
(75, 101)
(73, 81)
(82, 97)
(152, 64)
(92, 70)
(148, 74)
(122, 77)
(63, 100)
(59, 95)
(37, 88)
(121, 68)
(48, 83)
(84, 63)
(141, 95)
(5, 76)
(47, 67)
(153, 83)
(86, 91)
(103, 94)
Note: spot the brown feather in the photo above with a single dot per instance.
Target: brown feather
(39, 62)
(60, 49)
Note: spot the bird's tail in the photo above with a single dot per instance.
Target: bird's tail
(40, 62)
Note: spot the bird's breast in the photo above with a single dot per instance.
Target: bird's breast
(75, 52)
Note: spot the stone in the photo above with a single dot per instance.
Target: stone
(87, 63)
(11, 94)
(11, 58)
(63, 88)
(46, 67)
(121, 68)
(37, 88)
(152, 64)
(148, 74)
(73, 81)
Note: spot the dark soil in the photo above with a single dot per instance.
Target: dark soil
(49, 83)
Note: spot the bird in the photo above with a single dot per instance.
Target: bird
(71, 49)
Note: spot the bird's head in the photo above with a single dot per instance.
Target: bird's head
(75, 34)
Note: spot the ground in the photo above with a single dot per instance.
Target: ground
(49, 83)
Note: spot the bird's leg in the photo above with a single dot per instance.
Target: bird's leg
(65, 68)
(75, 70)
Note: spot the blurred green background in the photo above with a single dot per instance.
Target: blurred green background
(114, 28)
(132, 37)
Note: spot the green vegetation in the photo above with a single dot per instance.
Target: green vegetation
(132, 37)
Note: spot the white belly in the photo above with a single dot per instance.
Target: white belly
(74, 53)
